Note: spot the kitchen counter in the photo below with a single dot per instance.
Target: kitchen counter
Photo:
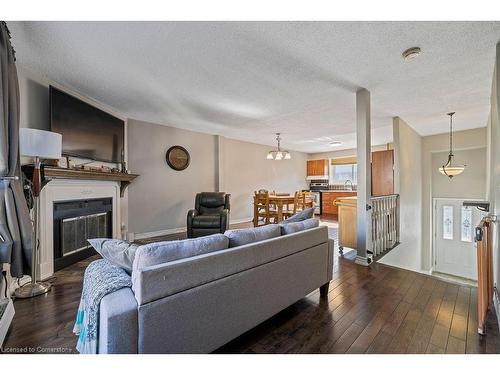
(347, 207)
(328, 198)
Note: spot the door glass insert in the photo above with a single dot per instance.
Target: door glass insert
(466, 224)
(448, 222)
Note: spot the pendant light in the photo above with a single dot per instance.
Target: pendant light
(278, 154)
(449, 169)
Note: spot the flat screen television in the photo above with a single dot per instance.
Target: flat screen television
(87, 132)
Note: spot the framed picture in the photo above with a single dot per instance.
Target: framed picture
(178, 158)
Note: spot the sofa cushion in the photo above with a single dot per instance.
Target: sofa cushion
(298, 226)
(240, 237)
(119, 252)
(168, 251)
(308, 213)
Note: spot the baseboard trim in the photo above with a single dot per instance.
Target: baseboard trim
(363, 261)
(165, 232)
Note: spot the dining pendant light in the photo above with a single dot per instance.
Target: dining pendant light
(278, 154)
(449, 169)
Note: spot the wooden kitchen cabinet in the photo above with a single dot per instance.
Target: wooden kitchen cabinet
(382, 173)
(328, 206)
(317, 167)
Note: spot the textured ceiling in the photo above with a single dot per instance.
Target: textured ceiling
(248, 80)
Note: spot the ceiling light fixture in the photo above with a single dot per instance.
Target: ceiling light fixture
(278, 154)
(411, 53)
(335, 143)
(449, 169)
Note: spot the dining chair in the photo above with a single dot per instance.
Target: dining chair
(308, 199)
(262, 209)
(298, 205)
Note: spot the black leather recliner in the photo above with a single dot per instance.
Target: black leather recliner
(210, 215)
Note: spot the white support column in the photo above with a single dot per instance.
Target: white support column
(363, 139)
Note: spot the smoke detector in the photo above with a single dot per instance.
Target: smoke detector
(411, 53)
(335, 143)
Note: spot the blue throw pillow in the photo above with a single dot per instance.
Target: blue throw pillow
(289, 228)
(119, 252)
(308, 213)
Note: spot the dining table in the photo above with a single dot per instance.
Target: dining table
(279, 201)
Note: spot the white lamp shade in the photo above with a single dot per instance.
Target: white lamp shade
(41, 143)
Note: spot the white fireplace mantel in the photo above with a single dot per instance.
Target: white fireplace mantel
(58, 190)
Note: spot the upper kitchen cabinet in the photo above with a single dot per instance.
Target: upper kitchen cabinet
(382, 173)
(317, 168)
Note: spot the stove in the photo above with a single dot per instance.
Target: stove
(317, 185)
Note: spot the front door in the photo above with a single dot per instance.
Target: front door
(454, 247)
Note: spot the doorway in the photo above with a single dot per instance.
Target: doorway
(454, 248)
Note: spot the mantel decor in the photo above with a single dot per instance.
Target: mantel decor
(49, 173)
(177, 158)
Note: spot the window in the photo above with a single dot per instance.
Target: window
(466, 230)
(343, 172)
(448, 222)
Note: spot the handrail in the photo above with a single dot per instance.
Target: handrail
(385, 223)
(483, 238)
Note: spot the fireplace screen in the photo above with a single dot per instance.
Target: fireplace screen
(74, 223)
(76, 231)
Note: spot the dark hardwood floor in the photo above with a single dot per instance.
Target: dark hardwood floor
(376, 309)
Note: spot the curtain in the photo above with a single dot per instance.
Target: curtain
(15, 226)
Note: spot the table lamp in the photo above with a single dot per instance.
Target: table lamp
(39, 144)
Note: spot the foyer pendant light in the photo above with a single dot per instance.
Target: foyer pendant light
(449, 169)
(278, 154)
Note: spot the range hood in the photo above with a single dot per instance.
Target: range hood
(322, 177)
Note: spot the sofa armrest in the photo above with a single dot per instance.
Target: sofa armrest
(331, 252)
(189, 221)
(224, 220)
(118, 323)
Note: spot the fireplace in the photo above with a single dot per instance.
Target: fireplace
(76, 221)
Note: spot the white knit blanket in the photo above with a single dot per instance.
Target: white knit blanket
(101, 278)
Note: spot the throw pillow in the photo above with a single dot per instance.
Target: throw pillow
(289, 228)
(119, 252)
(308, 213)
(240, 237)
(168, 251)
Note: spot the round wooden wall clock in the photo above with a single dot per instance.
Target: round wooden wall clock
(177, 158)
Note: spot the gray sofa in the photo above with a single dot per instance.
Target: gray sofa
(197, 304)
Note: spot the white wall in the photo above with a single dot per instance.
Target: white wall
(417, 180)
(470, 184)
(494, 165)
(160, 198)
(408, 174)
(246, 169)
(472, 139)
